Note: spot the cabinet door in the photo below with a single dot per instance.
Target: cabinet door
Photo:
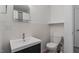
(32, 49)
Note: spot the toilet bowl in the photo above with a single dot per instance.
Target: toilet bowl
(52, 46)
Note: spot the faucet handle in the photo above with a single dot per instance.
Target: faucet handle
(23, 35)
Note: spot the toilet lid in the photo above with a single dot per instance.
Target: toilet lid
(51, 45)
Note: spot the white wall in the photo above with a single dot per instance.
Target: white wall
(37, 27)
(40, 13)
(57, 14)
(4, 26)
(68, 37)
(56, 30)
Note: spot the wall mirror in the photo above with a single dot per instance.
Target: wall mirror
(21, 13)
(3, 9)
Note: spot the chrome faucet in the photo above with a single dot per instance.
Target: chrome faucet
(23, 36)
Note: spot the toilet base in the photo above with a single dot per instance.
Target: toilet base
(52, 51)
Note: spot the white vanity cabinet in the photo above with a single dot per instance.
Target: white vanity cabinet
(31, 45)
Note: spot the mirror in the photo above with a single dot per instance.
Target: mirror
(21, 13)
(3, 9)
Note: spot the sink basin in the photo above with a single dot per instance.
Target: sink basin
(20, 44)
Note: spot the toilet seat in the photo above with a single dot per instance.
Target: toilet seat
(51, 45)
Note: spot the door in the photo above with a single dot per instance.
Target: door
(76, 27)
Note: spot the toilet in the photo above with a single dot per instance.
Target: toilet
(52, 45)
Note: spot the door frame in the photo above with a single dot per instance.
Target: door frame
(73, 33)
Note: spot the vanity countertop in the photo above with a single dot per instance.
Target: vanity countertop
(19, 44)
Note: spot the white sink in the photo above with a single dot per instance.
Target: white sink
(20, 44)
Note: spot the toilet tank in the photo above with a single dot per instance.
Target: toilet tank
(56, 39)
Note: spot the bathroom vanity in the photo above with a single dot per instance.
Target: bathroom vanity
(30, 45)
